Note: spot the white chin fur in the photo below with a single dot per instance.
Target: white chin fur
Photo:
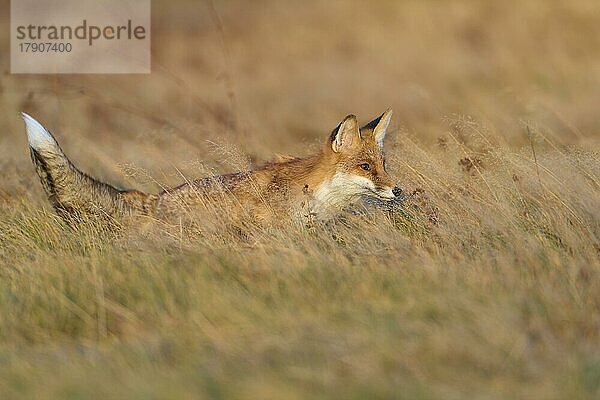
(37, 135)
(386, 194)
(342, 189)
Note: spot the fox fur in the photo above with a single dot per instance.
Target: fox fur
(351, 165)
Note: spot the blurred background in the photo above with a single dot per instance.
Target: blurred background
(234, 82)
(496, 130)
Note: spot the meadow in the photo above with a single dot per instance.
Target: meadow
(485, 284)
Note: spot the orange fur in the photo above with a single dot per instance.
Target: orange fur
(350, 165)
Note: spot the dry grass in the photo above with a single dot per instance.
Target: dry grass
(496, 130)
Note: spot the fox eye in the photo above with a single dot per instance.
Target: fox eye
(365, 166)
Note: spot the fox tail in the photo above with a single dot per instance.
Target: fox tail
(72, 192)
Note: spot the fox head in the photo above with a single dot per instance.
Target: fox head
(359, 160)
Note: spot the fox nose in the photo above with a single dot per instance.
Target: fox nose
(397, 191)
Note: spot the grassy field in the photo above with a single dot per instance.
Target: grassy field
(485, 286)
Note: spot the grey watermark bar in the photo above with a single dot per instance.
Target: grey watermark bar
(80, 36)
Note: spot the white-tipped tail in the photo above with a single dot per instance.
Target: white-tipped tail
(37, 135)
(70, 191)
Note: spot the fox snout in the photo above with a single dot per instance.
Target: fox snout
(397, 191)
(398, 194)
(387, 192)
(385, 187)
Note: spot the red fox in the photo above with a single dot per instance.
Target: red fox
(351, 165)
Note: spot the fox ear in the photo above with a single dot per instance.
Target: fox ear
(345, 135)
(379, 126)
